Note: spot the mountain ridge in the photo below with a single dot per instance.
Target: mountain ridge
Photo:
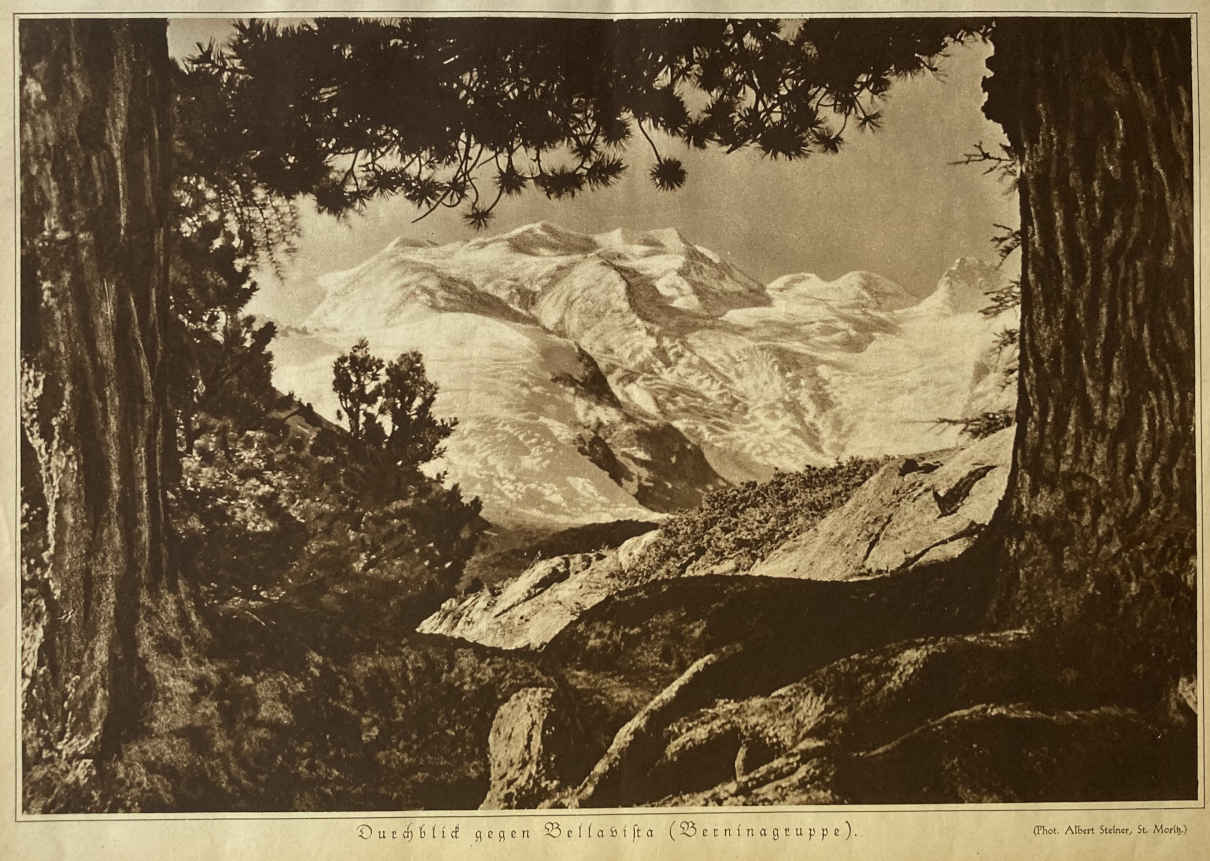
(703, 364)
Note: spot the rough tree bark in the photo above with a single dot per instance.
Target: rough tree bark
(1099, 523)
(99, 598)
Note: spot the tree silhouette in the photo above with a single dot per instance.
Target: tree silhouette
(462, 112)
(355, 379)
(389, 408)
(414, 435)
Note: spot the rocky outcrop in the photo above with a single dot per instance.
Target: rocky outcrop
(968, 718)
(531, 609)
(872, 696)
(989, 753)
(912, 512)
(703, 731)
(529, 750)
(619, 773)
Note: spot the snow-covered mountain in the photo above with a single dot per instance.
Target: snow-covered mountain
(621, 374)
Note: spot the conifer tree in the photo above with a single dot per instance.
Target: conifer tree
(356, 377)
(413, 434)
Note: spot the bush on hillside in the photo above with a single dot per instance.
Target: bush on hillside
(389, 410)
(262, 517)
(982, 424)
(742, 525)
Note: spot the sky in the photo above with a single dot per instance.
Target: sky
(890, 202)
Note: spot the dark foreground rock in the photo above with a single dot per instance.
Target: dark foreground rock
(531, 745)
(968, 718)
(986, 753)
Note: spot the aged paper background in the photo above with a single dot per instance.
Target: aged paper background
(864, 831)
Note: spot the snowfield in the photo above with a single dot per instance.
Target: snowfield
(623, 374)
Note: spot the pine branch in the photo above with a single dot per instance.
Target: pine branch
(981, 425)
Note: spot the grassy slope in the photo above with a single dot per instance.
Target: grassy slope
(503, 554)
(738, 526)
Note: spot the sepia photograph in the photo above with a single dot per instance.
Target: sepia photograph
(557, 412)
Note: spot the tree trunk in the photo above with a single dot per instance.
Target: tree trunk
(1099, 520)
(99, 598)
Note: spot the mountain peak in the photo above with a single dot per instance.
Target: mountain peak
(544, 239)
(542, 228)
(971, 268)
(668, 237)
(853, 289)
(964, 287)
(403, 241)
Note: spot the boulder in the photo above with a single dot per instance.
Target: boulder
(912, 512)
(529, 749)
(528, 611)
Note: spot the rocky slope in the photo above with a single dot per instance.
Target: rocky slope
(942, 719)
(531, 609)
(747, 690)
(642, 660)
(911, 512)
(611, 376)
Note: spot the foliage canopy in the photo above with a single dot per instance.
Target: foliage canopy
(452, 113)
(389, 409)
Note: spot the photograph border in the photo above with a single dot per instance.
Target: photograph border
(10, 671)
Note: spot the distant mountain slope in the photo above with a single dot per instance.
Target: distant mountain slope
(540, 438)
(611, 376)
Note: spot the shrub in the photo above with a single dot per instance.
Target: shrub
(744, 524)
